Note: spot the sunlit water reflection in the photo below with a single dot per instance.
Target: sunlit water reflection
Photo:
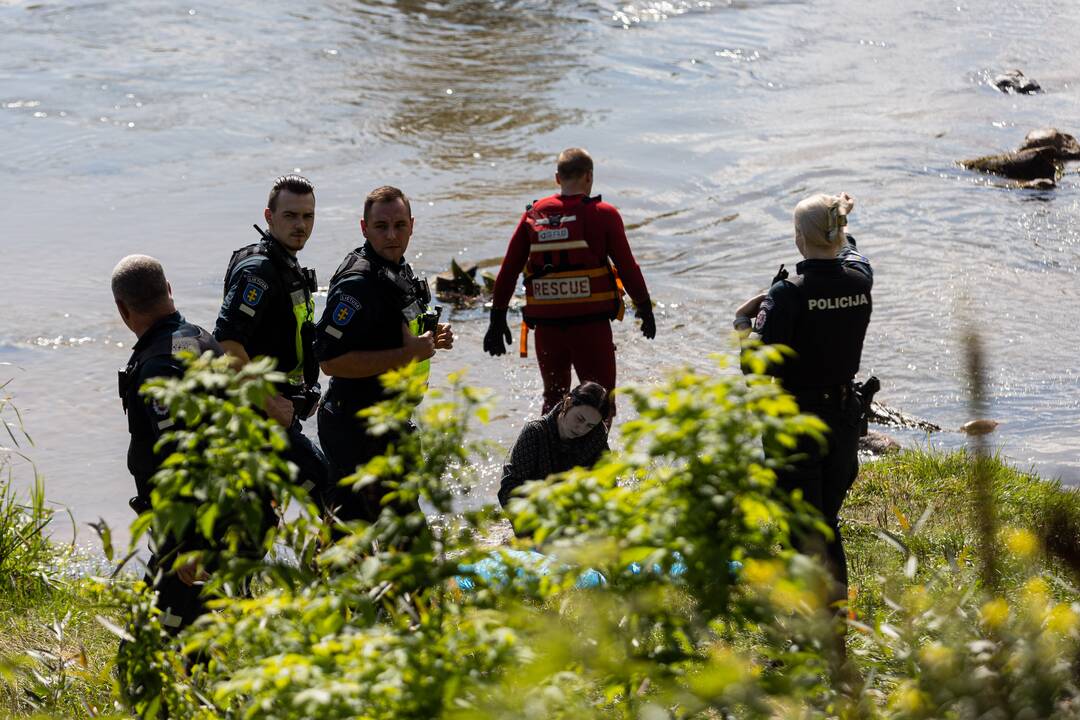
(155, 127)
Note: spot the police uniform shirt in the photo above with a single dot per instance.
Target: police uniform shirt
(257, 310)
(363, 312)
(147, 419)
(822, 316)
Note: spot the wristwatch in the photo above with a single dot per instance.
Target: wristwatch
(742, 322)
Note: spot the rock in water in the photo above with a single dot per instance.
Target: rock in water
(1032, 164)
(878, 443)
(1066, 145)
(1015, 81)
(978, 427)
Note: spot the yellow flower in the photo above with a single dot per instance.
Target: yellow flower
(1062, 620)
(1021, 543)
(1036, 589)
(760, 573)
(936, 656)
(908, 699)
(994, 613)
(917, 599)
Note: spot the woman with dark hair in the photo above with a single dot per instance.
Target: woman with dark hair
(571, 435)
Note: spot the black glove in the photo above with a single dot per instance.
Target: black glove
(648, 322)
(498, 333)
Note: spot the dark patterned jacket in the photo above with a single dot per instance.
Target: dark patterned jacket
(539, 452)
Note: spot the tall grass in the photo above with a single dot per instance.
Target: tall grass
(53, 656)
(26, 554)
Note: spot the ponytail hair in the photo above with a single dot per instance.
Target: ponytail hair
(820, 219)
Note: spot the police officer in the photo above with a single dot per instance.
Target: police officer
(566, 245)
(377, 318)
(145, 302)
(822, 314)
(268, 310)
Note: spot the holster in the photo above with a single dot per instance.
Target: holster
(304, 400)
(865, 391)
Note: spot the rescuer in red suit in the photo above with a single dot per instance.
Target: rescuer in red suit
(567, 245)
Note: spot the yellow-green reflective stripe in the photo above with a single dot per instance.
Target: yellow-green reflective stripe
(425, 365)
(303, 312)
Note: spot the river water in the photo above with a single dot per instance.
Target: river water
(157, 127)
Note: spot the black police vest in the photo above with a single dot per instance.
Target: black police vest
(141, 460)
(830, 326)
(293, 288)
(407, 294)
(413, 294)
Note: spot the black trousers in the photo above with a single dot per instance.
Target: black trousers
(314, 470)
(825, 476)
(180, 604)
(347, 444)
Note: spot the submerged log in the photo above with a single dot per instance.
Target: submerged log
(883, 415)
(1040, 184)
(1033, 164)
(1066, 145)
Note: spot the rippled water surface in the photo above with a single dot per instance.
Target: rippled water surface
(157, 127)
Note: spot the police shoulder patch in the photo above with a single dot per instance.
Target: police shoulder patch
(343, 313)
(160, 415)
(759, 321)
(763, 314)
(252, 294)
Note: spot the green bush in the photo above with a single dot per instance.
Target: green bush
(704, 611)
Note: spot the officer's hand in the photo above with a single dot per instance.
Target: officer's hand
(498, 333)
(190, 574)
(280, 410)
(418, 347)
(648, 322)
(847, 203)
(444, 337)
(751, 307)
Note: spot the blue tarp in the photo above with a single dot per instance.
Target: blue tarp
(530, 565)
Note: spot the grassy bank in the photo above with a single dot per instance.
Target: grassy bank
(54, 654)
(906, 517)
(917, 504)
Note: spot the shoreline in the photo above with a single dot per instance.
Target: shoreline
(889, 499)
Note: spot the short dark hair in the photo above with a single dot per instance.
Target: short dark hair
(386, 193)
(296, 184)
(139, 282)
(573, 163)
(590, 394)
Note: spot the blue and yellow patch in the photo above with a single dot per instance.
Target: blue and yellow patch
(252, 294)
(343, 313)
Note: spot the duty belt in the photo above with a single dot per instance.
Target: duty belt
(835, 395)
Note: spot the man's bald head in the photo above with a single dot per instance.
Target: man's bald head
(573, 163)
(138, 283)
